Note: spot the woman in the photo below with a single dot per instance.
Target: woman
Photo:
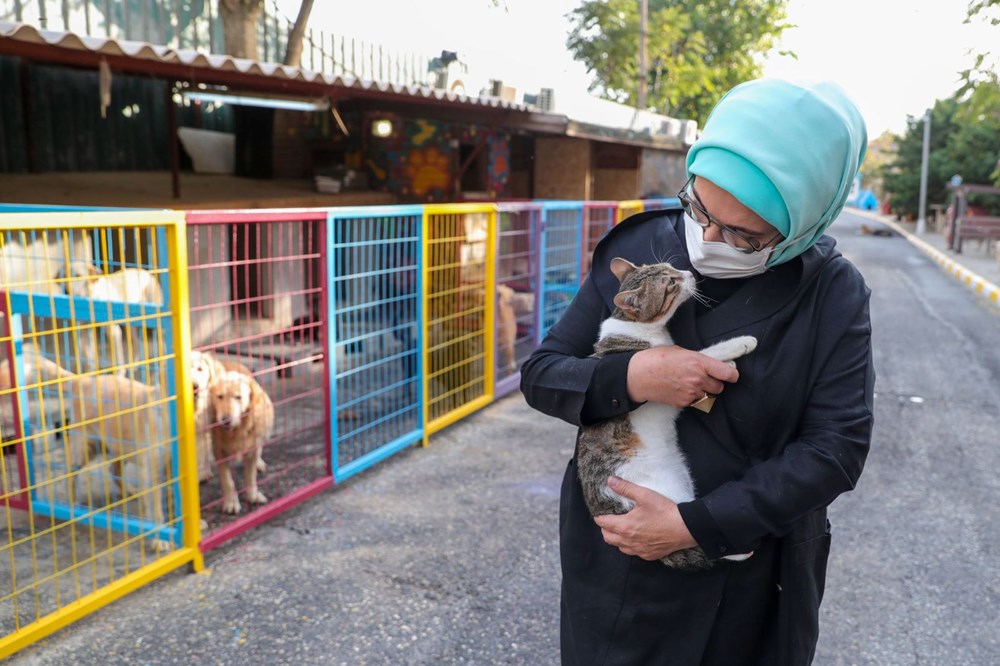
(789, 430)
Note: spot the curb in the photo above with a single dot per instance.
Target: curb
(976, 282)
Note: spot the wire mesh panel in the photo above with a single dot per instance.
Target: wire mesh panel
(258, 305)
(598, 218)
(562, 237)
(518, 261)
(98, 490)
(628, 208)
(375, 314)
(660, 204)
(459, 294)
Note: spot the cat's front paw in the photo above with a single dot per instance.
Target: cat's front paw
(731, 349)
(745, 343)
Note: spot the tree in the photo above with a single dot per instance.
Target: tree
(239, 26)
(696, 49)
(981, 80)
(293, 54)
(239, 29)
(965, 141)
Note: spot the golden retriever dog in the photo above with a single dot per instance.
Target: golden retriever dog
(205, 367)
(116, 419)
(510, 304)
(128, 285)
(97, 484)
(244, 416)
(506, 326)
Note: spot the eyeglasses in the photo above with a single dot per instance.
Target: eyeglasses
(738, 241)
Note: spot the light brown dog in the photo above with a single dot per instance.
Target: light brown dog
(506, 326)
(205, 367)
(244, 421)
(116, 419)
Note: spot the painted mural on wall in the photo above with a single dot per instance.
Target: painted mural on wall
(420, 158)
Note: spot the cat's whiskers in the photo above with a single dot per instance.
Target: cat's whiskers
(704, 300)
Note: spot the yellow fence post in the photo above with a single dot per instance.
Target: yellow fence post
(459, 257)
(628, 208)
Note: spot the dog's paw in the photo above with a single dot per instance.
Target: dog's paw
(231, 505)
(256, 497)
(261, 465)
(162, 546)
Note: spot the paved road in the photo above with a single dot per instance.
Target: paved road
(448, 555)
(915, 572)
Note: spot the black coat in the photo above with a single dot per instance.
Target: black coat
(777, 448)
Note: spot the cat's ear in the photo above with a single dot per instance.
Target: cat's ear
(621, 268)
(628, 301)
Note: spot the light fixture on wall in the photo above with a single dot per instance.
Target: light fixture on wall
(382, 128)
(265, 101)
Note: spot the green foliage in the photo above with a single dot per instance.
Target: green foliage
(696, 49)
(965, 140)
(965, 133)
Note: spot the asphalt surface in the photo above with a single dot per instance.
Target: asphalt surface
(449, 554)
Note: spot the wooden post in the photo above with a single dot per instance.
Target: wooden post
(175, 168)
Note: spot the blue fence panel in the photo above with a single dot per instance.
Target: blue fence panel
(562, 238)
(661, 203)
(375, 278)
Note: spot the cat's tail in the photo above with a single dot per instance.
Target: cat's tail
(689, 559)
(694, 559)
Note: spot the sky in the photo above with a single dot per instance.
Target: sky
(893, 57)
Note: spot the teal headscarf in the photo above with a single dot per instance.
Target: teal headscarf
(787, 151)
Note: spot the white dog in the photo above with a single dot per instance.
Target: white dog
(128, 285)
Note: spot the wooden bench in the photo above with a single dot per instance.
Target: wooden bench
(977, 227)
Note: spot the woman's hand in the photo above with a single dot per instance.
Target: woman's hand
(676, 376)
(651, 530)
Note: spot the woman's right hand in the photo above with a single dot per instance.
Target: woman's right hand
(676, 376)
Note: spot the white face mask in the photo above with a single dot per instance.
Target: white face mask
(719, 260)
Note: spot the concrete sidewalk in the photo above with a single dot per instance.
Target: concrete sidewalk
(976, 266)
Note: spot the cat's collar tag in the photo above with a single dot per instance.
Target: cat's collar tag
(705, 404)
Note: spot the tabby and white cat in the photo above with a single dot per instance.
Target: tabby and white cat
(641, 446)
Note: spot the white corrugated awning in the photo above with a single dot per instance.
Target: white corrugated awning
(101, 46)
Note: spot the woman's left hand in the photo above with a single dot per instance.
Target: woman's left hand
(651, 530)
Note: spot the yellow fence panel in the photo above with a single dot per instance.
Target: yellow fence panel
(99, 491)
(628, 208)
(459, 248)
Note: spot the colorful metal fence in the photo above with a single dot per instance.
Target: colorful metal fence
(459, 284)
(562, 224)
(519, 239)
(258, 285)
(98, 479)
(660, 204)
(628, 208)
(375, 314)
(367, 328)
(598, 219)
